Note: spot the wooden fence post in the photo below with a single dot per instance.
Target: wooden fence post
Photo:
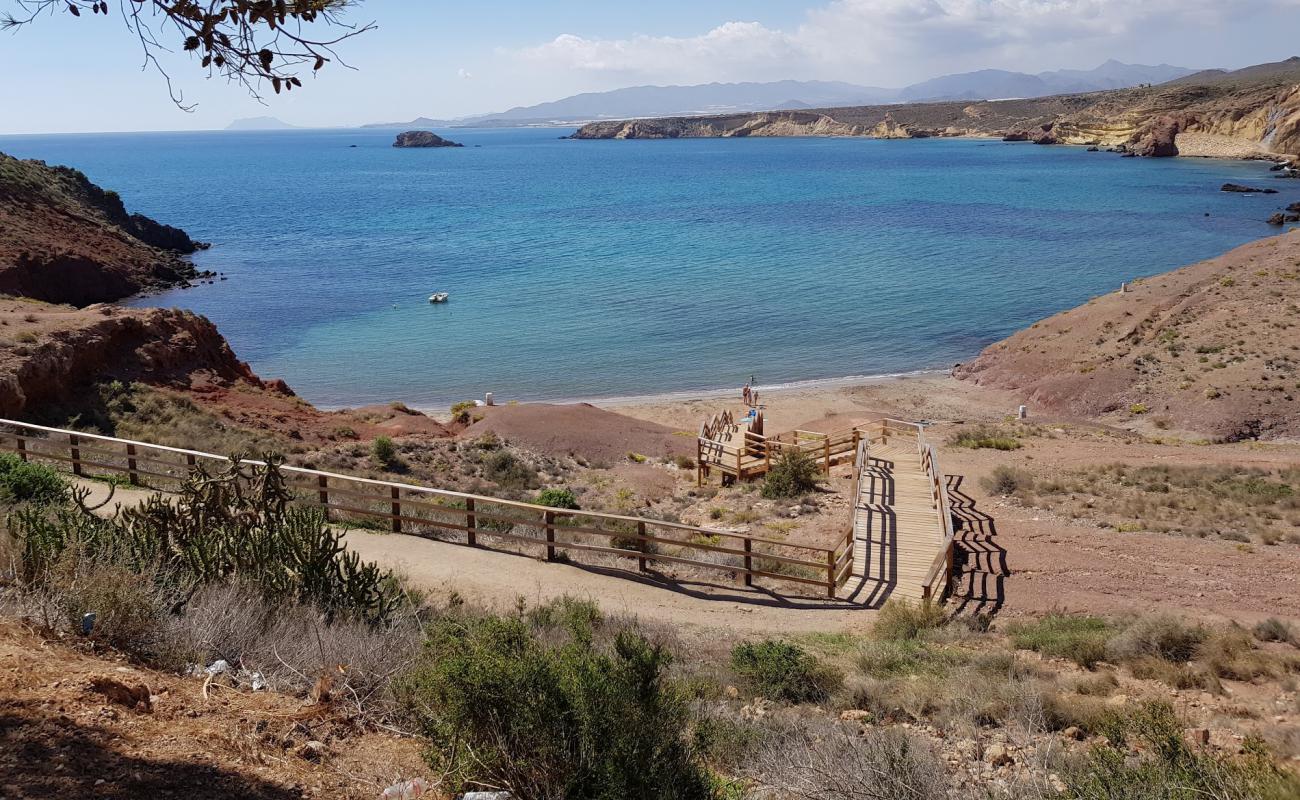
(471, 522)
(699, 462)
(323, 495)
(132, 475)
(749, 561)
(397, 510)
(642, 544)
(22, 447)
(75, 451)
(190, 463)
(830, 574)
(828, 455)
(549, 521)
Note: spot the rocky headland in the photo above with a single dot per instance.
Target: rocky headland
(1209, 349)
(423, 139)
(65, 240)
(1249, 112)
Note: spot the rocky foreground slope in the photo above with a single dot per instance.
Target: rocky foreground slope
(1251, 111)
(65, 240)
(1213, 349)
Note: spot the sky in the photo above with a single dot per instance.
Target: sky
(445, 60)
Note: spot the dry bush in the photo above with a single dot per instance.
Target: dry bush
(1232, 654)
(900, 619)
(293, 646)
(1100, 684)
(1165, 637)
(816, 762)
(1275, 630)
(1007, 481)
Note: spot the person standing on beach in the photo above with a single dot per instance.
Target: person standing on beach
(745, 394)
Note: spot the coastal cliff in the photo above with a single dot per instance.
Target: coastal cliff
(65, 240)
(1254, 111)
(1208, 349)
(57, 352)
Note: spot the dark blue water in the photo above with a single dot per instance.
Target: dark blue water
(600, 269)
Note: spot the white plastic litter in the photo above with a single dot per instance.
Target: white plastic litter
(218, 667)
(405, 790)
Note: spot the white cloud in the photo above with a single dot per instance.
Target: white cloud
(464, 74)
(898, 40)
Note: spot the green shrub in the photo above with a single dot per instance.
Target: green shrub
(25, 482)
(1081, 639)
(792, 475)
(1006, 480)
(557, 498)
(236, 524)
(783, 671)
(509, 471)
(1171, 769)
(384, 453)
(460, 411)
(983, 437)
(542, 710)
(893, 658)
(899, 619)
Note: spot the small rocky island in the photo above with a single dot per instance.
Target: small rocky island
(423, 139)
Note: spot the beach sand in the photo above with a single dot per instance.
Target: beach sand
(926, 396)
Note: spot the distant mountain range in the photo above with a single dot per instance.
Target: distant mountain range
(259, 124)
(725, 98)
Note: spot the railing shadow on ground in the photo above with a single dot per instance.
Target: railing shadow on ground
(981, 569)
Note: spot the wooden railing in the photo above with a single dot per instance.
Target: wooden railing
(755, 455)
(459, 517)
(830, 448)
(940, 575)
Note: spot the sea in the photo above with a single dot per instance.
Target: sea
(584, 270)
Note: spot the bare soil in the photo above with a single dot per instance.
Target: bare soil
(61, 737)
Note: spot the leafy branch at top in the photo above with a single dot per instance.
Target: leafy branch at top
(249, 42)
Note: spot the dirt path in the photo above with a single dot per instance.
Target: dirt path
(497, 579)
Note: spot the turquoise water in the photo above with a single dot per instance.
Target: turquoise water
(601, 269)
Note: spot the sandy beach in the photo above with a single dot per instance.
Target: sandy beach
(926, 396)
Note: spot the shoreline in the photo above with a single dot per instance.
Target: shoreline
(714, 394)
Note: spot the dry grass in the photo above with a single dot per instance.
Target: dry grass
(1234, 503)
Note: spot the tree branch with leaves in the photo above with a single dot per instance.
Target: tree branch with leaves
(253, 43)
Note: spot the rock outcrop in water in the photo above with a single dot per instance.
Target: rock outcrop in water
(65, 240)
(1253, 111)
(423, 139)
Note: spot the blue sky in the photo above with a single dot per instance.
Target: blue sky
(447, 59)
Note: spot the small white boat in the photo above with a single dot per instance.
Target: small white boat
(438, 297)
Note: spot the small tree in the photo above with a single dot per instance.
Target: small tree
(793, 474)
(384, 453)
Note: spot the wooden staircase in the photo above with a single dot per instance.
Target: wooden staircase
(897, 523)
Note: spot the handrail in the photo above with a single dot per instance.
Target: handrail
(943, 561)
(471, 507)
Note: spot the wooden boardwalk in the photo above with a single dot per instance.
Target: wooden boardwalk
(897, 527)
(902, 520)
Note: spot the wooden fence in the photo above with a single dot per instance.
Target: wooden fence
(751, 455)
(470, 519)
